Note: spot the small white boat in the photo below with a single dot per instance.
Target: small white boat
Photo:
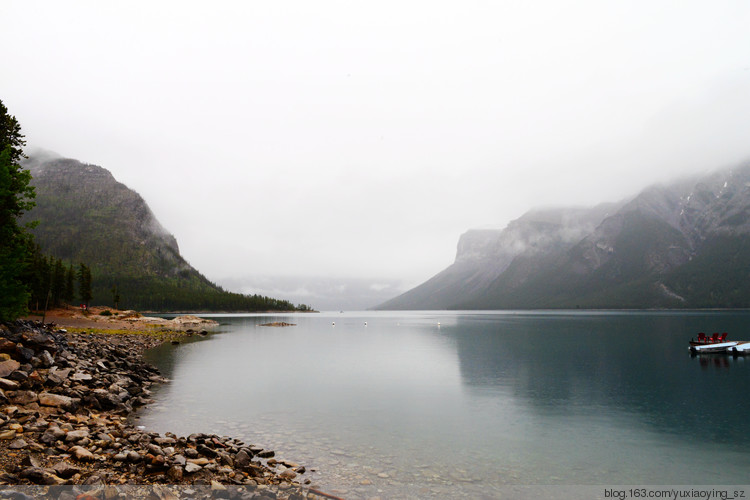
(718, 347)
(740, 348)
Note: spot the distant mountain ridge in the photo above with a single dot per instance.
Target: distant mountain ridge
(681, 245)
(86, 215)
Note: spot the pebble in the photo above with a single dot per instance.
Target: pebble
(69, 395)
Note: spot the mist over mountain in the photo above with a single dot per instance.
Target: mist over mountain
(325, 293)
(680, 245)
(85, 215)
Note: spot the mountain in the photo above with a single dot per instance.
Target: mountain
(682, 245)
(85, 215)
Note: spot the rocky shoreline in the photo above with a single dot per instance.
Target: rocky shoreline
(65, 399)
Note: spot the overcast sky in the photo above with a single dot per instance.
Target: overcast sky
(360, 139)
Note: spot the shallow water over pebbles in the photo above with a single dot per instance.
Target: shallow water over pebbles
(434, 404)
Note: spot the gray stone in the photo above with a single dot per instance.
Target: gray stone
(52, 434)
(58, 401)
(10, 385)
(174, 474)
(82, 454)
(22, 397)
(18, 444)
(191, 468)
(242, 459)
(47, 359)
(288, 474)
(62, 374)
(152, 448)
(75, 436)
(65, 470)
(38, 475)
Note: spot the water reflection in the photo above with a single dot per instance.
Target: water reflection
(634, 363)
(467, 402)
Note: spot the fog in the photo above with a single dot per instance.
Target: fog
(354, 140)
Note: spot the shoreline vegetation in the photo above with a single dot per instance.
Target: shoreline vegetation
(68, 390)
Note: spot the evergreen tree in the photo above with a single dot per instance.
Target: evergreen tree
(84, 284)
(57, 287)
(37, 277)
(16, 197)
(116, 296)
(69, 292)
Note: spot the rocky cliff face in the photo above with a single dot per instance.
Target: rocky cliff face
(643, 252)
(86, 215)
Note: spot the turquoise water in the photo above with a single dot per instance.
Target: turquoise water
(429, 404)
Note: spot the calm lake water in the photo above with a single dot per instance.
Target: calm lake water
(434, 404)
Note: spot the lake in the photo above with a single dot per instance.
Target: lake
(435, 404)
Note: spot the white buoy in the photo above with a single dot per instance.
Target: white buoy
(333, 323)
(365, 323)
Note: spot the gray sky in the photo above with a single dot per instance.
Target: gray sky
(360, 139)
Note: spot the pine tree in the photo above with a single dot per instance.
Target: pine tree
(69, 292)
(16, 197)
(116, 296)
(84, 284)
(58, 282)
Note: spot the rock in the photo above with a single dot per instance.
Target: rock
(7, 434)
(95, 479)
(39, 340)
(179, 460)
(19, 375)
(22, 397)
(288, 474)
(152, 448)
(199, 461)
(134, 456)
(7, 346)
(9, 366)
(52, 434)
(81, 376)
(174, 474)
(18, 444)
(242, 459)
(38, 475)
(265, 454)
(65, 470)
(47, 359)
(61, 374)
(24, 352)
(217, 486)
(205, 450)
(75, 436)
(58, 401)
(10, 385)
(82, 454)
(191, 468)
